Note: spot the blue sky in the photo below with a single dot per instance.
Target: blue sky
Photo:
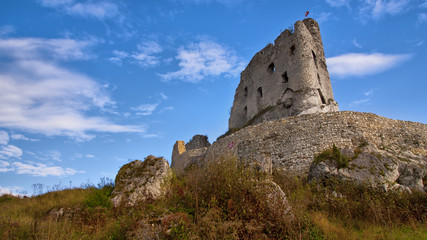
(86, 86)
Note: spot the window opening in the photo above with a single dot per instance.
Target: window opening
(271, 68)
(314, 58)
(292, 50)
(259, 90)
(285, 77)
(318, 79)
(321, 96)
(245, 110)
(246, 91)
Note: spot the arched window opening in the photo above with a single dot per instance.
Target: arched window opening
(271, 68)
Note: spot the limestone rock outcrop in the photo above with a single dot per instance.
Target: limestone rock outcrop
(368, 165)
(140, 181)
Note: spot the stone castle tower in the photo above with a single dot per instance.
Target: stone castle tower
(286, 79)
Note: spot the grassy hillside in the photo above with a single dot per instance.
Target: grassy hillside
(219, 202)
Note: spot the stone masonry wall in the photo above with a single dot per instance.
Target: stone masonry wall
(287, 78)
(290, 144)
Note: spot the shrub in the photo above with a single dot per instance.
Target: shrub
(333, 155)
(99, 197)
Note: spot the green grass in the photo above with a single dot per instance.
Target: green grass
(221, 201)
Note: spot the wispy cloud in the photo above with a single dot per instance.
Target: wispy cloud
(424, 4)
(145, 109)
(361, 64)
(356, 43)
(55, 3)
(98, 10)
(6, 29)
(367, 98)
(145, 55)
(422, 18)
(373, 9)
(10, 151)
(4, 137)
(49, 156)
(322, 16)
(203, 59)
(58, 48)
(22, 137)
(40, 169)
(337, 3)
(39, 96)
(227, 3)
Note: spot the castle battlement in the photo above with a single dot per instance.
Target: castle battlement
(284, 79)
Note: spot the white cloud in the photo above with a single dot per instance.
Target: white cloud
(43, 170)
(376, 9)
(337, 3)
(227, 3)
(367, 98)
(323, 17)
(90, 156)
(15, 190)
(361, 64)
(163, 96)
(145, 109)
(100, 10)
(52, 155)
(36, 48)
(203, 59)
(356, 43)
(4, 137)
(22, 137)
(55, 3)
(4, 166)
(145, 56)
(10, 151)
(170, 108)
(368, 93)
(424, 4)
(38, 96)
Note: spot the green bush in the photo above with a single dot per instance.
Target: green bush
(99, 198)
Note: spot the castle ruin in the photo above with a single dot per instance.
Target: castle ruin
(286, 79)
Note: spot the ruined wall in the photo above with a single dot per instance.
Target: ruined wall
(286, 79)
(193, 152)
(290, 144)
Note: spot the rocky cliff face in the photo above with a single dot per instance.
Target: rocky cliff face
(291, 144)
(371, 166)
(140, 181)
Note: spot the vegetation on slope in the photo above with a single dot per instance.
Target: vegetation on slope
(219, 202)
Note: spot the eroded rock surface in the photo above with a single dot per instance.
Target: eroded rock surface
(140, 181)
(382, 168)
